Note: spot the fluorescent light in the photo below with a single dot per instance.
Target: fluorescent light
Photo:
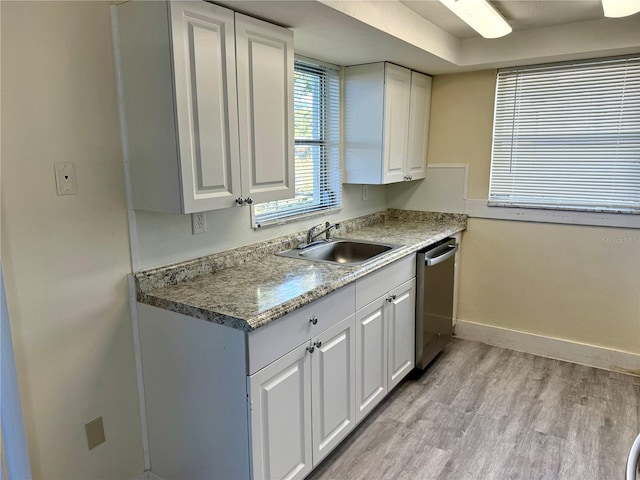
(620, 8)
(480, 16)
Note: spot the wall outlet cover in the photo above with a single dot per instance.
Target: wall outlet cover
(95, 432)
(198, 223)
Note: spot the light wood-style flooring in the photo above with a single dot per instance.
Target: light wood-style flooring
(482, 412)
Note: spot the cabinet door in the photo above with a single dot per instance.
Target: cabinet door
(264, 62)
(205, 103)
(418, 125)
(402, 313)
(280, 405)
(333, 387)
(371, 357)
(396, 122)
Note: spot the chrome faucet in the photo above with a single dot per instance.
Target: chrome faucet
(311, 236)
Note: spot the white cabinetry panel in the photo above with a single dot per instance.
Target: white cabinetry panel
(371, 357)
(206, 110)
(281, 417)
(265, 101)
(396, 121)
(419, 125)
(333, 390)
(401, 332)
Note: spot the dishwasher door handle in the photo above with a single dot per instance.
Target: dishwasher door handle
(440, 256)
(634, 458)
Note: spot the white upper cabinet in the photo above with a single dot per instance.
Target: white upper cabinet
(196, 114)
(397, 95)
(418, 125)
(387, 119)
(205, 104)
(265, 103)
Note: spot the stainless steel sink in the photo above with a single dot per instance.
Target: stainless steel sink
(341, 251)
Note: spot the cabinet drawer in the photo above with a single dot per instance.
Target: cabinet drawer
(378, 283)
(272, 341)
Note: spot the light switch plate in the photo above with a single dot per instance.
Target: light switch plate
(66, 183)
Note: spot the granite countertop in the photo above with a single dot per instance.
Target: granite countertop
(248, 287)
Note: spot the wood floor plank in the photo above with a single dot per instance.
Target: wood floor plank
(485, 413)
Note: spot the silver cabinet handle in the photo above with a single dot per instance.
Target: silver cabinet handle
(318, 344)
(311, 348)
(248, 200)
(313, 320)
(239, 201)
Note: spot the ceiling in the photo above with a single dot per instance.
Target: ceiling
(426, 36)
(521, 15)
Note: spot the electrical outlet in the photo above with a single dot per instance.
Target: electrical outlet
(365, 192)
(95, 432)
(66, 183)
(198, 223)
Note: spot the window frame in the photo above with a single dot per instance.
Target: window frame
(496, 197)
(324, 140)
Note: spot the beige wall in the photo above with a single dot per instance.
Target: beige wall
(66, 257)
(575, 283)
(571, 282)
(165, 238)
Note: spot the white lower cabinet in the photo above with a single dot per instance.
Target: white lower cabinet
(402, 326)
(303, 404)
(371, 361)
(280, 409)
(270, 404)
(385, 345)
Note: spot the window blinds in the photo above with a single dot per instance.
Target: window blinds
(317, 145)
(567, 136)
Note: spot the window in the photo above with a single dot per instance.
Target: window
(316, 103)
(567, 136)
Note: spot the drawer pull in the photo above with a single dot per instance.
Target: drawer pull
(311, 348)
(313, 320)
(318, 344)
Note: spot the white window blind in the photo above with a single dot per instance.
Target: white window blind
(316, 102)
(567, 136)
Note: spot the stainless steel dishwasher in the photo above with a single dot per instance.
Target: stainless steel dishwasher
(434, 299)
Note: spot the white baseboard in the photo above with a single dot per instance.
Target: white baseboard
(581, 353)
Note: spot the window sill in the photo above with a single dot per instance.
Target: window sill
(477, 208)
(292, 219)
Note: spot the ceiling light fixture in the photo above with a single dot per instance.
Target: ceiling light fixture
(481, 16)
(620, 8)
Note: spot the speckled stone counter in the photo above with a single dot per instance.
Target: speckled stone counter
(250, 286)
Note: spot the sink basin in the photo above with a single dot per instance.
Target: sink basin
(341, 251)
